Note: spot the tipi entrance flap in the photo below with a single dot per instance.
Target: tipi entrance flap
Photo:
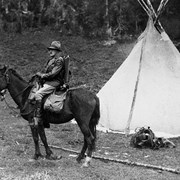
(157, 102)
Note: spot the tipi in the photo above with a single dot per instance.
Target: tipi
(145, 90)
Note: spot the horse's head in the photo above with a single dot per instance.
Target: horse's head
(14, 83)
(3, 77)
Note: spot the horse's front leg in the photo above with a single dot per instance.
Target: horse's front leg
(35, 136)
(49, 153)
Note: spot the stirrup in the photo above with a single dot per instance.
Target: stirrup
(37, 120)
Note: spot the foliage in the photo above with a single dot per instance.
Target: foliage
(88, 17)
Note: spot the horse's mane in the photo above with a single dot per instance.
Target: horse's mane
(16, 74)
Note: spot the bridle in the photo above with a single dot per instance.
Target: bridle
(3, 92)
(2, 98)
(6, 75)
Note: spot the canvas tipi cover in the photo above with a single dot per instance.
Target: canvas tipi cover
(145, 90)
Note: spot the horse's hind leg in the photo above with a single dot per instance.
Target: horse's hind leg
(36, 142)
(93, 131)
(82, 154)
(89, 138)
(91, 145)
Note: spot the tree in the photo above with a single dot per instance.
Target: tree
(93, 17)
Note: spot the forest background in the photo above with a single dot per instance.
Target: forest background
(120, 19)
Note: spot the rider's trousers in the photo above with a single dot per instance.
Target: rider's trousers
(46, 89)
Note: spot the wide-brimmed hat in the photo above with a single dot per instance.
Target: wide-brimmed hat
(55, 45)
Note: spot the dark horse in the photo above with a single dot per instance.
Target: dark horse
(80, 104)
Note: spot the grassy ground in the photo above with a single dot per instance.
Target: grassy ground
(92, 64)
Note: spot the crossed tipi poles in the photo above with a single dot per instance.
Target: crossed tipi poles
(147, 6)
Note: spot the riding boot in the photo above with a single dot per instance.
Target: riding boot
(38, 113)
(38, 116)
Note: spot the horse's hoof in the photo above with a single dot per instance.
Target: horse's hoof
(59, 157)
(53, 157)
(87, 162)
(32, 160)
(85, 165)
(79, 158)
(36, 157)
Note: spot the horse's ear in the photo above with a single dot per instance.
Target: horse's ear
(5, 67)
(2, 66)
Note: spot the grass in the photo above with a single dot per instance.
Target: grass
(92, 64)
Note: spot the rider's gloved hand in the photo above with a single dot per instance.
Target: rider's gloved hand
(64, 87)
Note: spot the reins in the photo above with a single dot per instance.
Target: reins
(2, 93)
(8, 81)
(21, 92)
(10, 107)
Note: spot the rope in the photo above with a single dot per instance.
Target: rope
(127, 162)
(10, 107)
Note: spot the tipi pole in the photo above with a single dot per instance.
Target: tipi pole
(143, 4)
(161, 7)
(127, 129)
(156, 16)
(151, 12)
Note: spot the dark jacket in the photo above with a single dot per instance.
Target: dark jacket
(54, 72)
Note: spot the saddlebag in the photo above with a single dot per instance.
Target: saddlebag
(54, 102)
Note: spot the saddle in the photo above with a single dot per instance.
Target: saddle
(145, 138)
(53, 102)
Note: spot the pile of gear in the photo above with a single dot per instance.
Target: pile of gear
(145, 138)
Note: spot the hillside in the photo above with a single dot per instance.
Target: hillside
(92, 63)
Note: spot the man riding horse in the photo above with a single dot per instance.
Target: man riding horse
(80, 104)
(53, 77)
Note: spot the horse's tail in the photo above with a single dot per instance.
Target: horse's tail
(96, 113)
(95, 119)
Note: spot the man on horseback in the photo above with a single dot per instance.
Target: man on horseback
(53, 77)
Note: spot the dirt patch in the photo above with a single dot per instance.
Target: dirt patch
(92, 65)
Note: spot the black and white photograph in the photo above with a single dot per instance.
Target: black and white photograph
(89, 89)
